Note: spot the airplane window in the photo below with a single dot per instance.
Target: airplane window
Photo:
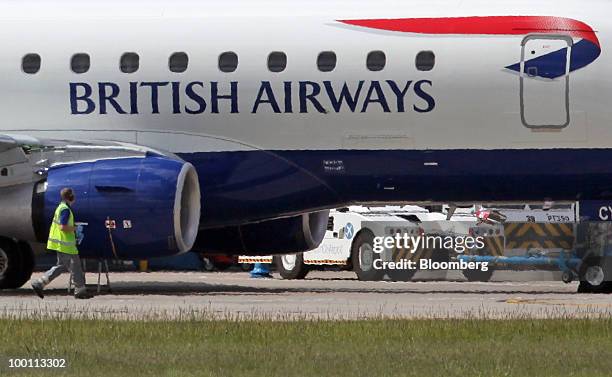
(277, 61)
(178, 62)
(228, 62)
(326, 61)
(31, 63)
(376, 61)
(130, 62)
(425, 60)
(80, 63)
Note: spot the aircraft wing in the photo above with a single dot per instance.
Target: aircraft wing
(25, 159)
(15, 165)
(6, 143)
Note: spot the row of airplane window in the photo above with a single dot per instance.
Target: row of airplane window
(228, 62)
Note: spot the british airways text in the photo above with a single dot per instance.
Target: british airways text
(198, 97)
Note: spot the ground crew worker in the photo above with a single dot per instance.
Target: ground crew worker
(63, 240)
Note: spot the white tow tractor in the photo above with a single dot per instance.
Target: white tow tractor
(349, 241)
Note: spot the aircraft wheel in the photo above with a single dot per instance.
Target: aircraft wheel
(594, 277)
(363, 257)
(291, 266)
(16, 264)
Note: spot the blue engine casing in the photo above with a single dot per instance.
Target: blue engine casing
(153, 202)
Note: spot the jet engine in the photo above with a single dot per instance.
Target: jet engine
(279, 236)
(131, 207)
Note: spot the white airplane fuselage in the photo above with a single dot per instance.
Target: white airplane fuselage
(516, 107)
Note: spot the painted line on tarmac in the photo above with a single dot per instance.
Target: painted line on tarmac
(554, 302)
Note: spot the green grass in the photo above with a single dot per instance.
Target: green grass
(467, 348)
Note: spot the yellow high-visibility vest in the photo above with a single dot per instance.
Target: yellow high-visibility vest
(63, 242)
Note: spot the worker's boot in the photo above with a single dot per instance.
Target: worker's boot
(260, 271)
(82, 293)
(38, 286)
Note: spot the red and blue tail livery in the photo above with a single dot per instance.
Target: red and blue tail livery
(585, 49)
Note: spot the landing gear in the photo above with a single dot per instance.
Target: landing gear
(16, 263)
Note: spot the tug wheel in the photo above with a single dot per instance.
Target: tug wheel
(363, 257)
(291, 266)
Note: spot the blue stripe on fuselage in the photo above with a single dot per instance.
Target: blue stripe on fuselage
(238, 187)
(553, 65)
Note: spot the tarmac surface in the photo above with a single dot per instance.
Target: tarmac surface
(323, 295)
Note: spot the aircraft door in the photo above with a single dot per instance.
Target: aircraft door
(544, 81)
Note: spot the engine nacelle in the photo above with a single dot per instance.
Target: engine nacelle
(133, 207)
(280, 236)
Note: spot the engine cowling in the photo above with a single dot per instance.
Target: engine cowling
(279, 236)
(133, 207)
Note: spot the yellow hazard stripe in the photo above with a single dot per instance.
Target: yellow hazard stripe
(499, 246)
(509, 228)
(523, 229)
(552, 230)
(494, 245)
(326, 261)
(566, 229)
(539, 235)
(255, 260)
(538, 229)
